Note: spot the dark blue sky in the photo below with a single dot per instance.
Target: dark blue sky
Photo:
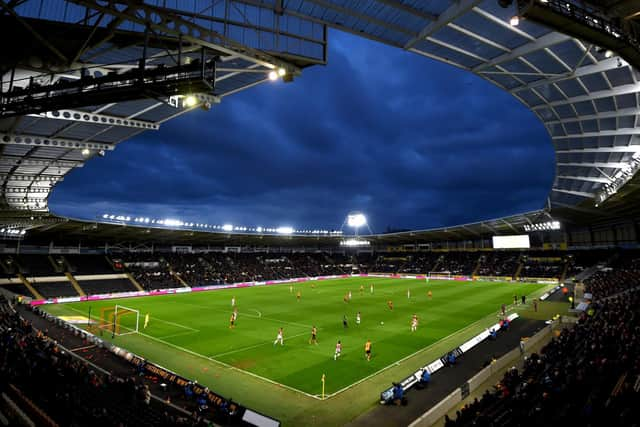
(411, 142)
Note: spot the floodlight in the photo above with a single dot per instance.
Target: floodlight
(608, 54)
(85, 152)
(356, 220)
(273, 75)
(282, 72)
(284, 230)
(227, 227)
(259, 229)
(190, 101)
(514, 21)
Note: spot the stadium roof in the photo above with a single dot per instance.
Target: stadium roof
(585, 95)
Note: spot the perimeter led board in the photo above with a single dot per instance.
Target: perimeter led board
(520, 241)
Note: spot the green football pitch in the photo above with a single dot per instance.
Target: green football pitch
(190, 334)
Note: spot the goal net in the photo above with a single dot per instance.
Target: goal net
(438, 275)
(119, 320)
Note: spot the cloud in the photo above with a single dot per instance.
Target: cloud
(411, 142)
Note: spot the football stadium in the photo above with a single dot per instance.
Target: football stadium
(139, 320)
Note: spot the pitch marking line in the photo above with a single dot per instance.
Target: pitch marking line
(191, 330)
(233, 368)
(179, 334)
(254, 346)
(397, 363)
(175, 324)
(242, 313)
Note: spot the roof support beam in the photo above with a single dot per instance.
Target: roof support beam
(98, 119)
(604, 115)
(30, 178)
(457, 9)
(479, 37)
(575, 193)
(617, 149)
(604, 65)
(439, 58)
(617, 132)
(611, 165)
(503, 23)
(410, 10)
(24, 190)
(596, 179)
(371, 20)
(618, 90)
(543, 42)
(42, 141)
(579, 209)
(509, 225)
(19, 161)
(155, 18)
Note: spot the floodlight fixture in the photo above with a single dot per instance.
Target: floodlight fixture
(356, 220)
(608, 53)
(282, 72)
(227, 227)
(190, 101)
(514, 21)
(284, 230)
(273, 75)
(85, 152)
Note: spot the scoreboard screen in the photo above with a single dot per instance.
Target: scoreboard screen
(519, 241)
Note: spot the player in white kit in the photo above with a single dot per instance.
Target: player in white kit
(279, 338)
(414, 323)
(338, 350)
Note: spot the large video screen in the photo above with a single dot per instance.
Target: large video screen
(520, 241)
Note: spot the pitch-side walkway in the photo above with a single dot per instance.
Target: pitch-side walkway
(448, 379)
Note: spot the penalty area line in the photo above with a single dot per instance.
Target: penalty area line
(175, 324)
(233, 368)
(179, 334)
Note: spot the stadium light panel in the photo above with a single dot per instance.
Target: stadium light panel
(190, 101)
(284, 230)
(273, 75)
(227, 227)
(514, 21)
(282, 72)
(356, 220)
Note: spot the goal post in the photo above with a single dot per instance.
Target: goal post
(119, 320)
(438, 275)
